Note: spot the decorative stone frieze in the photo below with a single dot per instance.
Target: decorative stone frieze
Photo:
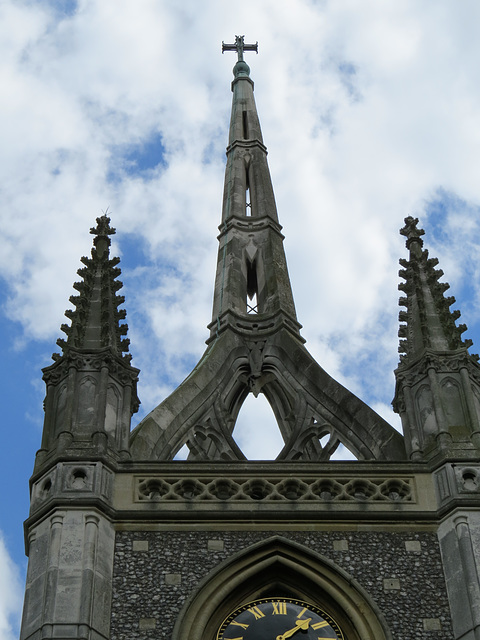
(158, 489)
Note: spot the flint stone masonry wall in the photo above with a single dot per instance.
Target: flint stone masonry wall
(402, 572)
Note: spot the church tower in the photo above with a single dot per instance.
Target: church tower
(125, 541)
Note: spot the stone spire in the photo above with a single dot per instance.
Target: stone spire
(437, 392)
(255, 344)
(252, 282)
(95, 322)
(429, 323)
(91, 387)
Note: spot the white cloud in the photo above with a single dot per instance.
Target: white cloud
(367, 112)
(370, 113)
(256, 430)
(10, 595)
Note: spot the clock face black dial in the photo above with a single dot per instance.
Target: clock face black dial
(279, 619)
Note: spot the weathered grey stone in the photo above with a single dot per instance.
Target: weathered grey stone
(432, 624)
(459, 537)
(216, 545)
(391, 584)
(140, 545)
(147, 623)
(438, 381)
(413, 545)
(70, 580)
(340, 545)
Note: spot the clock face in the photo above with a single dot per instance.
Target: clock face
(279, 619)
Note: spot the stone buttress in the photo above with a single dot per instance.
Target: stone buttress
(438, 398)
(91, 395)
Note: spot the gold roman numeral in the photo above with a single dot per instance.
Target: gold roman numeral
(302, 612)
(320, 625)
(256, 612)
(279, 608)
(239, 624)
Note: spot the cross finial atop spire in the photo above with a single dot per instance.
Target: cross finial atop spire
(239, 46)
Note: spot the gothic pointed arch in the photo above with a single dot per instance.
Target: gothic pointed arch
(307, 402)
(279, 567)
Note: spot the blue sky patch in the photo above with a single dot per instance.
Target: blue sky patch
(440, 225)
(137, 160)
(21, 437)
(64, 7)
(145, 155)
(437, 210)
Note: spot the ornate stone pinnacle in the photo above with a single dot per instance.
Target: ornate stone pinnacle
(95, 322)
(429, 323)
(103, 227)
(411, 231)
(101, 232)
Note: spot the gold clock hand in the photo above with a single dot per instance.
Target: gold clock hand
(299, 624)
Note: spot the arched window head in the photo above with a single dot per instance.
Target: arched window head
(280, 568)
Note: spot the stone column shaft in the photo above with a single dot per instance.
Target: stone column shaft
(52, 570)
(469, 570)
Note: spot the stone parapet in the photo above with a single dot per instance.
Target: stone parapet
(274, 491)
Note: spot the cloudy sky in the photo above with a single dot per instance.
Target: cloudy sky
(370, 111)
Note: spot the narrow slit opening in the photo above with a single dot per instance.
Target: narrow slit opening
(248, 196)
(245, 125)
(252, 287)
